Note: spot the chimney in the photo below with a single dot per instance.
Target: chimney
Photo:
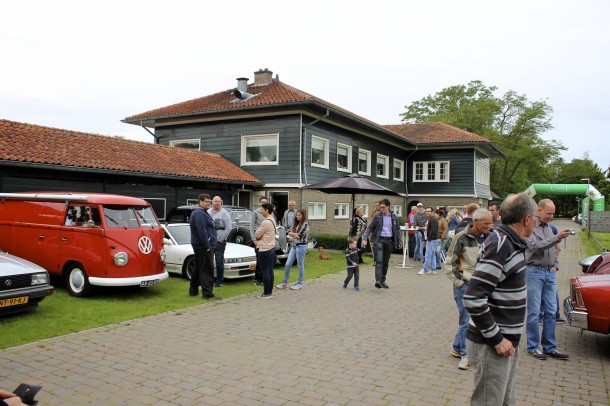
(262, 77)
(242, 84)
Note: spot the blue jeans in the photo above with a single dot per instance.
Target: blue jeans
(541, 296)
(266, 259)
(459, 342)
(298, 252)
(431, 247)
(419, 246)
(494, 376)
(382, 250)
(219, 257)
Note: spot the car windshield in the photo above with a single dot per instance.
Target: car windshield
(129, 217)
(181, 233)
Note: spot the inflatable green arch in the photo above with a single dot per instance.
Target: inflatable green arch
(593, 197)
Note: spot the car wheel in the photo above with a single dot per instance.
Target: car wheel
(239, 236)
(188, 267)
(77, 281)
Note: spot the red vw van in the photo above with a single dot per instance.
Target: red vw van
(86, 238)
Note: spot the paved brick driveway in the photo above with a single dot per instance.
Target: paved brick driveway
(319, 346)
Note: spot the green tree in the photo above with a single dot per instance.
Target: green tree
(512, 122)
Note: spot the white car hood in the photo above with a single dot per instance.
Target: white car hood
(12, 265)
(239, 250)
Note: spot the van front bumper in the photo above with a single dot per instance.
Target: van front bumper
(134, 281)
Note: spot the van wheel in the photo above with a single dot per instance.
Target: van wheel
(77, 281)
(188, 267)
(239, 236)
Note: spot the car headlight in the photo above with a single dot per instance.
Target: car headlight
(233, 260)
(40, 278)
(162, 255)
(121, 258)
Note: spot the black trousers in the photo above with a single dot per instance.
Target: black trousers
(204, 275)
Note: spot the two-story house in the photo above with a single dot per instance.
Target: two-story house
(288, 138)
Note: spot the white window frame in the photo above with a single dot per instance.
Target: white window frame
(397, 209)
(398, 164)
(348, 169)
(385, 161)
(365, 207)
(437, 171)
(326, 144)
(316, 211)
(176, 144)
(482, 173)
(244, 146)
(343, 210)
(368, 162)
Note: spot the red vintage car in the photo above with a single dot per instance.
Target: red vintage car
(588, 306)
(596, 264)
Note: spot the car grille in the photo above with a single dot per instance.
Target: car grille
(15, 282)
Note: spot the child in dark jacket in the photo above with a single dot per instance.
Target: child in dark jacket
(351, 256)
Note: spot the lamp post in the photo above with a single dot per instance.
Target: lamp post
(588, 207)
(578, 220)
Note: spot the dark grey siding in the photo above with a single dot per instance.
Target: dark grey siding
(337, 135)
(461, 172)
(224, 138)
(175, 192)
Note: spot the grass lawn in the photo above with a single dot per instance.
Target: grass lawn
(61, 313)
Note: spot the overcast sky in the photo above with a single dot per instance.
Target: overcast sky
(84, 66)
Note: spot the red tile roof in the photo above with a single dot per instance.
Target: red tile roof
(435, 133)
(28, 143)
(273, 94)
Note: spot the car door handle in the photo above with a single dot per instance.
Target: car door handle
(64, 239)
(41, 237)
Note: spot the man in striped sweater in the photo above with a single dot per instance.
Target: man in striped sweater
(496, 301)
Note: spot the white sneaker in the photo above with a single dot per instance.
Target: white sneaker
(433, 272)
(282, 286)
(422, 272)
(296, 286)
(464, 363)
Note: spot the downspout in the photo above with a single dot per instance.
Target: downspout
(151, 133)
(406, 178)
(303, 164)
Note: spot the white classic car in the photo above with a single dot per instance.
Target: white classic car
(23, 284)
(240, 260)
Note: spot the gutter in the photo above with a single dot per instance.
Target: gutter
(407, 171)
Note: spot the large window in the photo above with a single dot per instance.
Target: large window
(319, 152)
(344, 158)
(259, 149)
(397, 209)
(186, 144)
(383, 166)
(316, 211)
(482, 173)
(365, 208)
(364, 162)
(341, 210)
(431, 171)
(399, 170)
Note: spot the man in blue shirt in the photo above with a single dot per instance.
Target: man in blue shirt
(203, 240)
(384, 231)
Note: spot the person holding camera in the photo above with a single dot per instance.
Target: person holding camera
(542, 266)
(222, 222)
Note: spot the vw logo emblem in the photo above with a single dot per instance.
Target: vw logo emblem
(8, 283)
(145, 245)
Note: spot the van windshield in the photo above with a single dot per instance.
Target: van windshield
(129, 217)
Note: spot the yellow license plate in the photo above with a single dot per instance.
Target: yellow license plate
(14, 301)
(253, 267)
